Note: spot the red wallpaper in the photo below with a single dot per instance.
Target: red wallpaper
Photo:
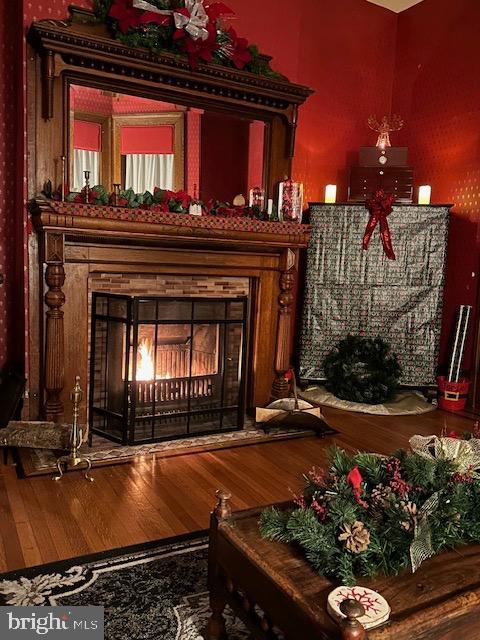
(437, 92)
(344, 50)
(223, 156)
(256, 143)
(11, 183)
(192, 161)
(105, 103)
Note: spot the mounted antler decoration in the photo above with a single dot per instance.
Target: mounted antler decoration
(386, 125)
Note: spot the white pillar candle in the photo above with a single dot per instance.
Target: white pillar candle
(331, 193)
(270, 207)
(424, 194)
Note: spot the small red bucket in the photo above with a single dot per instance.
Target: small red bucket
(452, 396)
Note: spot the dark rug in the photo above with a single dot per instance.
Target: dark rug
(153, 592)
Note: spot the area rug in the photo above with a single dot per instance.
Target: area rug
(151, 593)
(405, 403)
(37, 462)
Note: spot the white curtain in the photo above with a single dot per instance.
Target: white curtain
(85, 161)
(145, 171)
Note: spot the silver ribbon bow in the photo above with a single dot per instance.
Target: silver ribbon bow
(465, 454)
(421, 548)
(146, 6)
(195, 25)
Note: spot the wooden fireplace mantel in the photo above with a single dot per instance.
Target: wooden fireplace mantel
(73, 246)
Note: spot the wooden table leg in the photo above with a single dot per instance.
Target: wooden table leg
(216, 623)
(218, 600)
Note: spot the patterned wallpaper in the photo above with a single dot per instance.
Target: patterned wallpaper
(437, 92)
(97, 101)
(11, 196)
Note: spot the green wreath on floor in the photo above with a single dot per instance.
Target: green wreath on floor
(362, 369)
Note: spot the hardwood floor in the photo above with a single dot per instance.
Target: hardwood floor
(43, 521)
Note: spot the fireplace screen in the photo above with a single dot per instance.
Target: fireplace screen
(164, 368)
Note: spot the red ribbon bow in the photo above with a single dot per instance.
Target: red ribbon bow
(380, 207)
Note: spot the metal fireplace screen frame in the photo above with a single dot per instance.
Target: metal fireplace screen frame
(127, 410)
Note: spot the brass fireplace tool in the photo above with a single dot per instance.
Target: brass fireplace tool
(74, 458)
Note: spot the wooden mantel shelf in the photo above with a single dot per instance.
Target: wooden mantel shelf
(160, 227)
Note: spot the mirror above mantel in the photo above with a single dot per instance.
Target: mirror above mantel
(82, 54)
(140, 143)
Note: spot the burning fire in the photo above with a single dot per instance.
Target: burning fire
(145, 369)
(145, 364)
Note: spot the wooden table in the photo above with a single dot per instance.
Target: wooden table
(439, 602)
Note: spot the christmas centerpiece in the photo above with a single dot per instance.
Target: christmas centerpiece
(189, 27)
(362, 369)
(369, 514)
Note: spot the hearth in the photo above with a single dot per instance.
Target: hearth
(166, 367)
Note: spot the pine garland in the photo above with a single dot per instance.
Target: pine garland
(358, 519)
(158, 38)
(362, 369)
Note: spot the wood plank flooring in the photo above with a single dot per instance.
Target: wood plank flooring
(44, 521)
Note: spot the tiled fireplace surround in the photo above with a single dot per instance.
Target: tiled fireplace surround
(78, 256)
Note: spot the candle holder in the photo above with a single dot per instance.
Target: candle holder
(74, 458)
(87, 186)
(64, 160)
(116, 193)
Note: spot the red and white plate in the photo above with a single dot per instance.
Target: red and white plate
(377, 609)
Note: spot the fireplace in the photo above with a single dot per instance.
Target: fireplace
(166, 367)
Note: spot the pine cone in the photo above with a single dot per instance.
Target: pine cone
(355, 537)
(380, 496)
(411, 510)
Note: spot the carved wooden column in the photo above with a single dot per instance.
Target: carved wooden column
(285, 301)
(54, 333)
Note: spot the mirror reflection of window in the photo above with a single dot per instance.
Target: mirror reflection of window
(149, 157)
(87, 141)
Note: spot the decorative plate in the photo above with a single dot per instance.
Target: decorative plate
(377, 609)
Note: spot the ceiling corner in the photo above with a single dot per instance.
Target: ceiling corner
(395, 5)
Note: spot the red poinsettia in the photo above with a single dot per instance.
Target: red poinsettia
(238, 49)
(354, 479)
(179, 196)
(197, 50)
(82, 196)
(160, 208)
(129, 17)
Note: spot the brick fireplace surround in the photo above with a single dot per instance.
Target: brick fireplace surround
(78, 255)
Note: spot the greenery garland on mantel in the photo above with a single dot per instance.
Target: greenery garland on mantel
(369, 514)
(185, 27)
(160, 201)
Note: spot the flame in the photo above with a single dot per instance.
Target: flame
(145, 365)
(145, 370)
